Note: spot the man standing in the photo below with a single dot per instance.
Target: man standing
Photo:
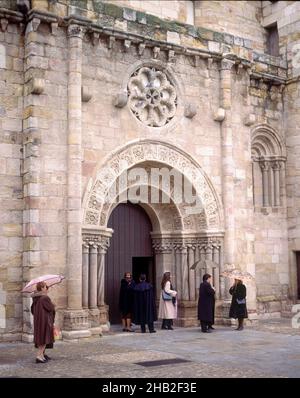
(206, 304)
(144, 305)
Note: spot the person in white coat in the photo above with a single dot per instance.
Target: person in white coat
(167, 303)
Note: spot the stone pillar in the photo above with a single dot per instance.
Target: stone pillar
(184, 273)
(264, 165)
(192, 273)
(164, 260)
(85, 276)
(228, 167)
(93, 276)
(74, 314)
(178, 271)
(216, 270)
(276, 169)
(103, 246)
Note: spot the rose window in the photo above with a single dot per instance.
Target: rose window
(151, 97)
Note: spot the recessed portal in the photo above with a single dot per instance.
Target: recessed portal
(130, 251)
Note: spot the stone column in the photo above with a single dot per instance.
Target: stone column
(192, 274)
(76, 317)
(216, 270)
(85, 276)
(164, 260)
(184, 273)
(264, 165)
(93, 276)
(276, 170)
(103, 246)
(228, 167)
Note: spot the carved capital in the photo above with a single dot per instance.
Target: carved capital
(264, 165)
(227, 64)
(76, 31)
(276, 165)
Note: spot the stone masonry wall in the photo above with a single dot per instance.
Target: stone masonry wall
(33, 131)
(11, 192)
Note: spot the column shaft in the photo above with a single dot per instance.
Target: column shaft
(74, 245)
(85, 276)
(93, 277)
(192, 275)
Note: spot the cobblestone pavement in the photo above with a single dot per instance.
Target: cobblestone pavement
(255, 352)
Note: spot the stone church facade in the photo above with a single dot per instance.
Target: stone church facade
(90, 90)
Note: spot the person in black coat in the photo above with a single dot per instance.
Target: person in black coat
(206, 304)
(126, 298)
(238, 308)
(144, 305)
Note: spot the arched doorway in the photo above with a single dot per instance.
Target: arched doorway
(130, 251)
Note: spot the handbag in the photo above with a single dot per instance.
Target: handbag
(242, 301)
(56, 333)
(166, 296)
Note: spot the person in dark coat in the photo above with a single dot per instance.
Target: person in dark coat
(144, 305)
(126, 301)
(206, 304)
(43, 311)
(238, 308)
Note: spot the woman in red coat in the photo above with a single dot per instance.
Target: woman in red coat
(43, 311)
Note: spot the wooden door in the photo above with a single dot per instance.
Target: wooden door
(131, 239)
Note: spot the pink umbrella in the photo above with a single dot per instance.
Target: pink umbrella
(49, 279)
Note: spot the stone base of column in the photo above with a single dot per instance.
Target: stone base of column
(94, 317)
(187, 314)
(76, 324)
(104, 318)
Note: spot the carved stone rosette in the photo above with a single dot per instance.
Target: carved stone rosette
(152, 97)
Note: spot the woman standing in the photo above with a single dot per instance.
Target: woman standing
(43, 311)
(126, 301)
(167, 303)
(238, 308)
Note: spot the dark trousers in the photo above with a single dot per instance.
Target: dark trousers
(150, 326)
(204, 325)
(167, 323)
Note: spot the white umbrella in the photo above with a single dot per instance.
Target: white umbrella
(238, 274)
(49, 279)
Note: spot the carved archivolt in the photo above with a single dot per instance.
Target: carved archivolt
(208, 213)
(152, 97)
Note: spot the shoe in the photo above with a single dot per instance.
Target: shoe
(164, 328)
(170, 328)
(37, 360)
(130, 330)
(47, 358)
(124, 330)
(143, 331)
(152, 331)
(211, 328)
